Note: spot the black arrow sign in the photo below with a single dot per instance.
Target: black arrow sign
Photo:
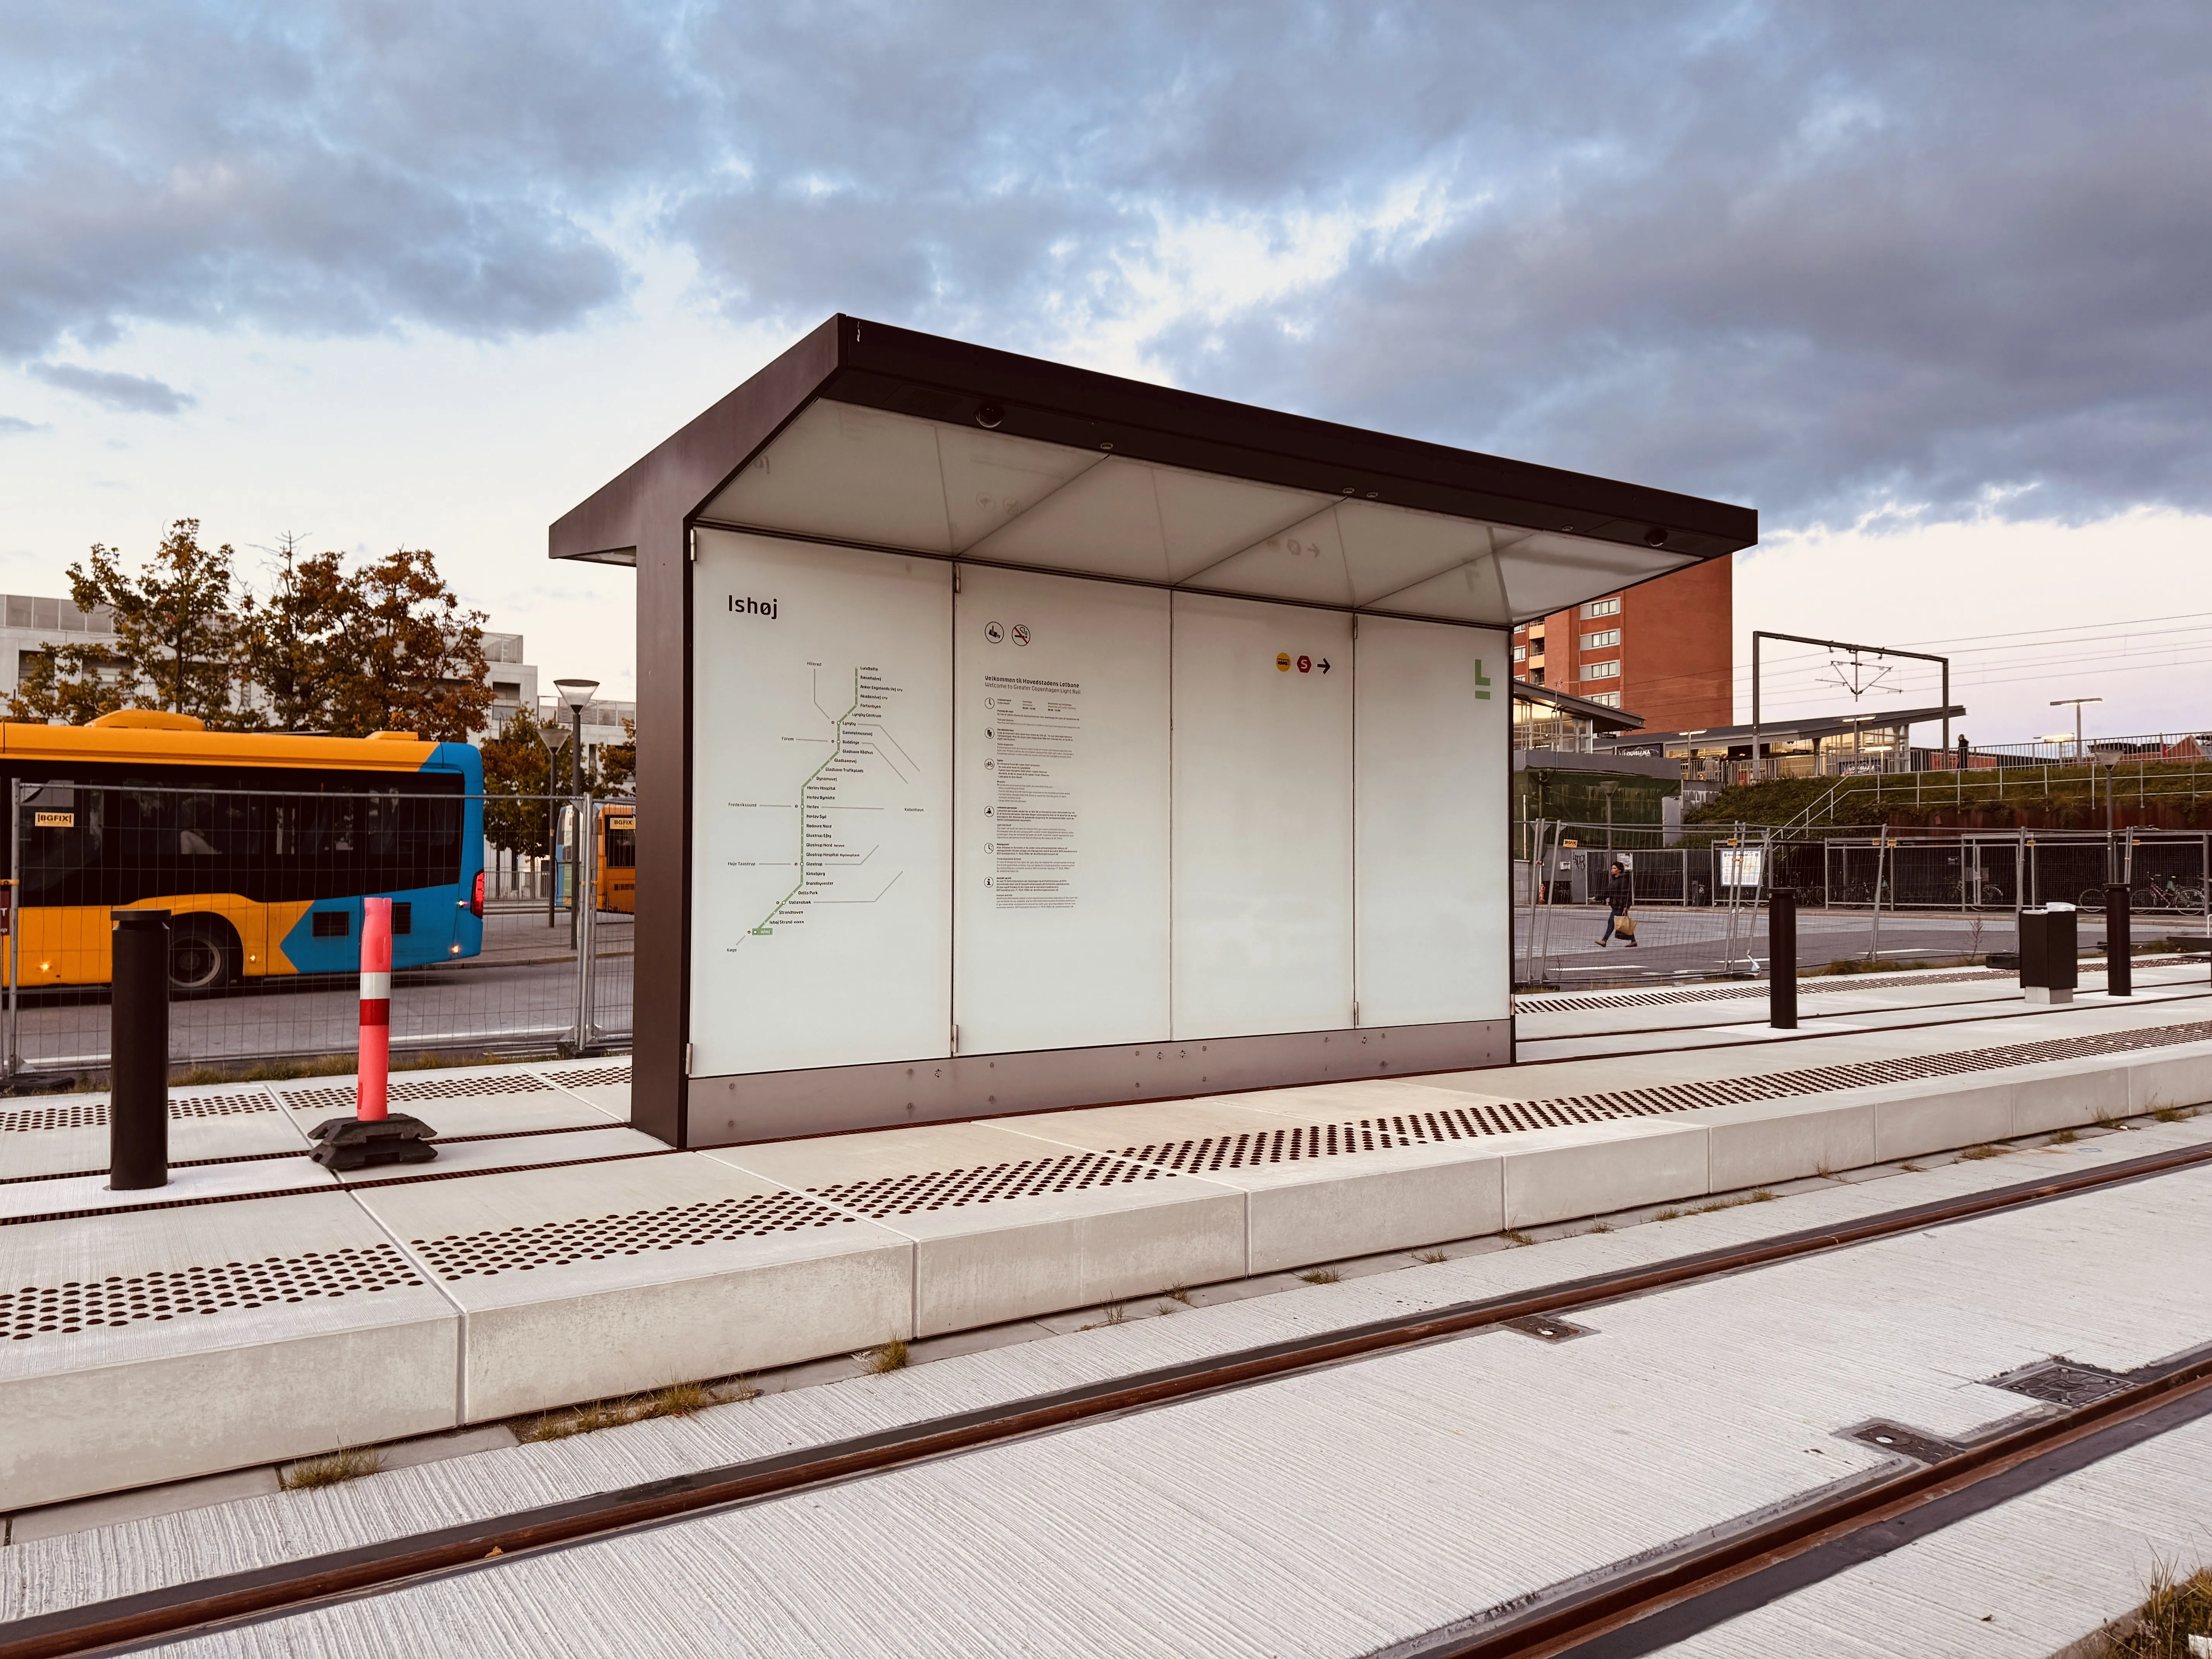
(1324, 665)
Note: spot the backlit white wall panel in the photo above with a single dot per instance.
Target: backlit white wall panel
(1431, 750)
(1060, 850)
(821, 793)
(1263, 834)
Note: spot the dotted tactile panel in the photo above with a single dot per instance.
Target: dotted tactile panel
(1551, 1004)
(557, 1243)
(94, 1115)
(64, 1310)
(341, 1099)
(1255, 1148)
(593, 1077)
(992, 1183)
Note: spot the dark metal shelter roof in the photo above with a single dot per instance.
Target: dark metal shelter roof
(1783, 731)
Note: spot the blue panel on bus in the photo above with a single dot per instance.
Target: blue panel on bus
(439, 919)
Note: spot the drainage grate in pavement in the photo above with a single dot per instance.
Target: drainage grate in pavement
(2060, 1383)
(597, 1239)
(1549, 1330)
(340, 1099)
(64, 1310)
(94, 1114)
(1254, 1148)
(1911, 1442)
(993, 1183)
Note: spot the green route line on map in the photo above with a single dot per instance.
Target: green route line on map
(836, 748)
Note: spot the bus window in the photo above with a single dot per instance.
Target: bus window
(621, 843)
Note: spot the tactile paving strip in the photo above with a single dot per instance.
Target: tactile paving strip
(557, 1243)
(1256, 1147)
(594, 1077)
(1549, 1005)
(457, 1088)
(992, 1183)
(94, 1115)
(63, 1309)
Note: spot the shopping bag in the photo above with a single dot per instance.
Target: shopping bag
(1626, 926)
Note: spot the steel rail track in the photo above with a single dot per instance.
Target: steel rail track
(261, 1592)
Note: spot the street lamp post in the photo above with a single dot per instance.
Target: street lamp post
(576, 694)
(548, 733)
(2075, 703)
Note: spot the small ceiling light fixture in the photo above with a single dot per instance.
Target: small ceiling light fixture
(1655, 537)
(990, 417)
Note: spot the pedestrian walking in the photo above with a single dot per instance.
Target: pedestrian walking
(1619, 895)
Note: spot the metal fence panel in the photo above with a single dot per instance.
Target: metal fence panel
(264, 890)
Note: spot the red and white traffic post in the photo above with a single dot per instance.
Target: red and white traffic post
(375, 1070)
(373, 1136)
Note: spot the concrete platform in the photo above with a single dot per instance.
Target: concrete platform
(67, 1134)
(575, 1284)
(1004, 1225)
(168, 1343)
(563, 1257)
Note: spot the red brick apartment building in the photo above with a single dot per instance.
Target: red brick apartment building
(1663, 650)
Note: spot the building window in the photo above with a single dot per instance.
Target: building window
(1535, 677)
(1610, 699)
(1601, 671)
(1519, 654)
(1601, 608)
(1598, 642)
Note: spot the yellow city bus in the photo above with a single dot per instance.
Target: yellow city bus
(616, 855)
(260, 845)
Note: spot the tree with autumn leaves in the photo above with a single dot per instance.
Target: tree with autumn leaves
(384, 645)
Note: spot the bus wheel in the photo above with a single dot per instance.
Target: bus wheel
(202, 955)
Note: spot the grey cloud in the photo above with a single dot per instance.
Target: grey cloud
(1818, 257)
(131, 394)
(10, 425)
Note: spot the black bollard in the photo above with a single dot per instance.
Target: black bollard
(138, 1051)
(1781, 958)
(2120, 943)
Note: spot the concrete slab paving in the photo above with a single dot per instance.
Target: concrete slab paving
(583, 1282)
(68, 1134)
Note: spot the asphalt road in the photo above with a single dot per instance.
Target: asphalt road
(522, 988)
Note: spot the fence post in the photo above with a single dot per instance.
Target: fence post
(2120, 943)
(138, 1050)
(1781, 958)
(15, 928)
(587, 915)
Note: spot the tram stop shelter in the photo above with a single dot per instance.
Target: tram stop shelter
(1016, 737)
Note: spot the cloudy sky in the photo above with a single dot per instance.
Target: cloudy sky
(1926, 284)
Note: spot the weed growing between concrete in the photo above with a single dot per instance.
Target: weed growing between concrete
(1909, 1168)
(1600, 1226)
(1178, 1293)
(1976, 1154)
(2175, 1610)
(1667, 1215)
(2173, 1115)
(676, 1400)
(1515, 1237)
(1762, 1196)
(1320, 1275)
(1430, 1258)
(2064, 1138)
(737, 1391)
(883, 1358)
(329, 1470)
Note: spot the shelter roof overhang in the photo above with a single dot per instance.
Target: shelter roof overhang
(1604, 717)
(863, 435)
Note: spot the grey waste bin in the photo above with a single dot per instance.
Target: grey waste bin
(2049, 962)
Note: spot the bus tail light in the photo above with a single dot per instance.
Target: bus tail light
(475, 897)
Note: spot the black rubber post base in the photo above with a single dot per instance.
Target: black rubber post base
(347, 1143)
